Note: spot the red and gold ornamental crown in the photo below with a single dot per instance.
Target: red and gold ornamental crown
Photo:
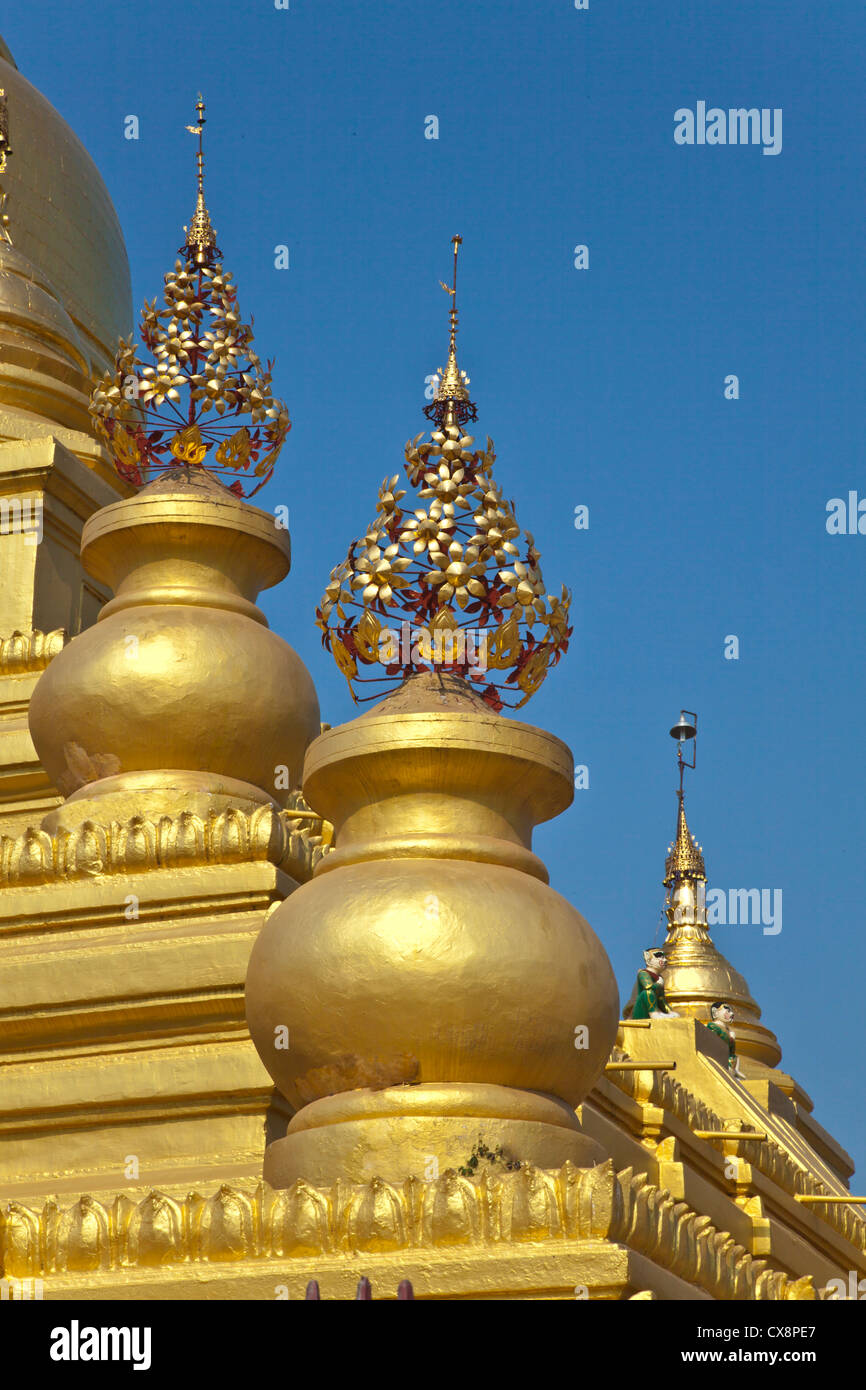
(204, 399)
(457, 563)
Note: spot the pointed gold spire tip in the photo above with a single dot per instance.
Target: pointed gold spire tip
(685, 859)
(200, 244)
(451, 404)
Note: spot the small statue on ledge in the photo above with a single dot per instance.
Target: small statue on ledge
(721, 1018)
(651, 1002)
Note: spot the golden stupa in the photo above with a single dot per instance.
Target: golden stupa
(287, 1002)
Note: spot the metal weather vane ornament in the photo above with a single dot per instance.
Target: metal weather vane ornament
(453, 566)
(205, 399)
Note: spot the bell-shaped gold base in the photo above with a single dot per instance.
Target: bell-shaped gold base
(423, 1131)
(149, 794)
(698, 975)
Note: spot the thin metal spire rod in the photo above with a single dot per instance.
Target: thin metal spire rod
(456, 242)
(197, 129)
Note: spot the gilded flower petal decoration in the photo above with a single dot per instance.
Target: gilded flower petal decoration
(445, 580)
(204, 398)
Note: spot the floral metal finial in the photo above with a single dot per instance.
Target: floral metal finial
(450, 585)
(227, 421)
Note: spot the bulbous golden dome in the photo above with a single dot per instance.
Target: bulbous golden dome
(179, 694)
(62, 219)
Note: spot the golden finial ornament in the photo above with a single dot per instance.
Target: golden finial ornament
(450, 584)
(451, 404)
(200, 243)
(205, 400)
(685, 859)
(5, 151)
(697, 975)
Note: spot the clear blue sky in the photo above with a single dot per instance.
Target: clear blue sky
(604, 387)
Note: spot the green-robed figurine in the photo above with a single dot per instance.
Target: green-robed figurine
(721, 1018)
(651, 1002)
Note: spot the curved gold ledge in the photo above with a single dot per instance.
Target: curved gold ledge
(490, 849)
(442, 746)
(429, 1099)
(154, 794)
(187, 522)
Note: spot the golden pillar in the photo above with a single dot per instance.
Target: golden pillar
(698, 974)
(427, 988)
(427, 997)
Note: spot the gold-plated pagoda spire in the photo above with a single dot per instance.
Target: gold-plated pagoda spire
(685, 859)
(5, 151)
(451, 404)
(697, 974)
(200, 244)
(44, 364)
